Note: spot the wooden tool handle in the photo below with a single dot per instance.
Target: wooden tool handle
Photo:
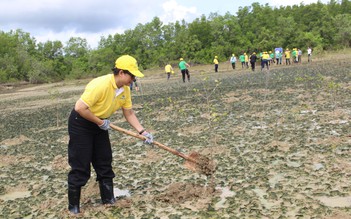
(136, 135)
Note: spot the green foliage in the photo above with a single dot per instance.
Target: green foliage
(7, 68)
(78, 70)
(253, 28)
(76, 47)
(37, 73)
(342, 24)
(312, 39)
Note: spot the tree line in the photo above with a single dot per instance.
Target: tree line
(154, 44)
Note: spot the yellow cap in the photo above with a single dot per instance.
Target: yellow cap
(127, 62)
(233, 54)
(181, 59)
(216, 57)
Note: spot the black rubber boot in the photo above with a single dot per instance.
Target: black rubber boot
(106, 191)
(73, 199)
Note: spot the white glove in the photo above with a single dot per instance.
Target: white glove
(105, 125)
(149, 138)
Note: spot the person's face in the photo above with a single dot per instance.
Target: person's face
(129, 77)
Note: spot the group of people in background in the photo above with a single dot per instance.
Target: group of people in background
(268, 58)
(247, 61)
(183, 66)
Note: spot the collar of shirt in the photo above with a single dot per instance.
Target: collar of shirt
(119, 91)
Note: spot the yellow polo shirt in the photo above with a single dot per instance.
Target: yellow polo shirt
(287, 54)
(168, 68)
(265, 56)
(215, 61)
(100, 96)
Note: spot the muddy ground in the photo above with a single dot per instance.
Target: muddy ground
(280, 138)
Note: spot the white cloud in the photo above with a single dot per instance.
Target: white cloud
(91, 19)
(61, 19)
(172, 12)
(63, 36)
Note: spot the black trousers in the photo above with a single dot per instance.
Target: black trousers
(264, 62)
(253, 65)
(185, 71)
(88, 144)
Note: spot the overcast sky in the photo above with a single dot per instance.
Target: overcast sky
(91, 19)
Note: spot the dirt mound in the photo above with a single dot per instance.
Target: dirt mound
(203, 165)
(60, 163)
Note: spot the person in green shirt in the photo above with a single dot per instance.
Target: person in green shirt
(271, 55)
(88, 125)
(183, 66)
(294, 55)
(242, 60)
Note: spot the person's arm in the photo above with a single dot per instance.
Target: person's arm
(85, 112)
(132, 120)
(187, 65)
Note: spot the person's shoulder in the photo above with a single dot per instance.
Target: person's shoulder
(100, 79)
(126, 88)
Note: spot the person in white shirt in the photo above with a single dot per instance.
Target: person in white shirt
(233, 61)
(309, 53)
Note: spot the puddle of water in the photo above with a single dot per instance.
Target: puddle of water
(118, 192)
(275, 179)
(226, 192)
(337, 202)
(293, 164)
(15, 195)
(261, 194)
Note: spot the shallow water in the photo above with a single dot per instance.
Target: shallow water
(340, 202)
(226, 192)
(15, 195)
(118, 192)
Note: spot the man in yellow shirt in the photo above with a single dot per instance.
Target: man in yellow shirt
(287, 56)
(265, 60)
(168, 70)
(88, 126)
(215, 61)
(246, 60)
